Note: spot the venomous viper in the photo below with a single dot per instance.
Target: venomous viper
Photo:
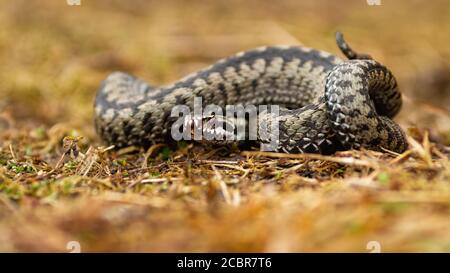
(329, 104)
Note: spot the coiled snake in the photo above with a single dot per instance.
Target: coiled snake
(329, 104)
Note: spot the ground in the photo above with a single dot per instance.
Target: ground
(59, 183)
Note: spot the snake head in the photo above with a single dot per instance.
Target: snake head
(212, 129)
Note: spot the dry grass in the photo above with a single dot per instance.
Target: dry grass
(58, 184)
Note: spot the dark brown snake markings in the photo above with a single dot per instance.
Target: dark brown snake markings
(329, 104)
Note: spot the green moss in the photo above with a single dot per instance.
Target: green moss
(155, 174)
(3, 161)
(20, 167)
(28, 151)
(383, 178)
(354, 227)
(71, 165)
(182, 144)
(67, 186)
(278, 175)
(39, 133)
(165, 153)
(12, 190)
(394, 207)
(120, 162)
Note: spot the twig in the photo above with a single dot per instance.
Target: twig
(12, 152)
(223, 186)
(342, 160)
(159, 180)
(150, 152)
(400, 157)
(218, 162)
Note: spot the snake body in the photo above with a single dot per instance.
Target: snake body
(328, 103)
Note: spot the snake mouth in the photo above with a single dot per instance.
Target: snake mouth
(212, 129)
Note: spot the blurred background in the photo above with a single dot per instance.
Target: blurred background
(53, 55)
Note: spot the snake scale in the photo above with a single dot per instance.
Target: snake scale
(328, 103)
